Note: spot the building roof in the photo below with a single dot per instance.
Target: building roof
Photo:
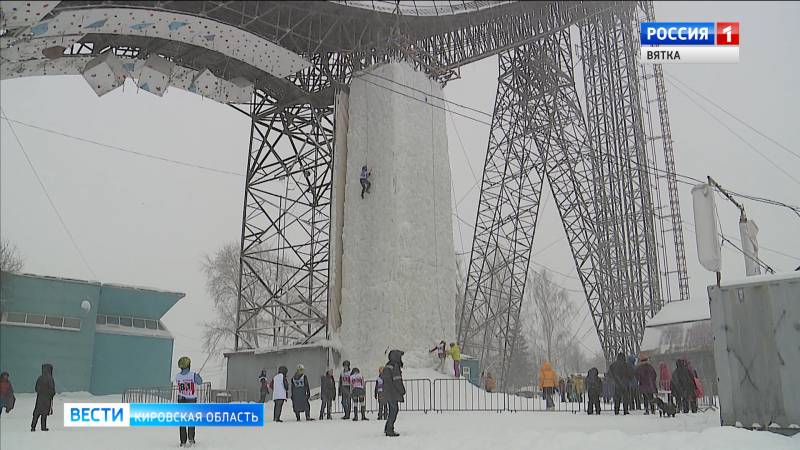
(758, 279)
(680, 312)
(119, 299)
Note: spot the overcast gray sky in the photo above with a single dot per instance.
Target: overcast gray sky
(145, 222)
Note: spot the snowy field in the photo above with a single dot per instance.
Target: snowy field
(483, 431)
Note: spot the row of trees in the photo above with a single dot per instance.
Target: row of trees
(544, 331)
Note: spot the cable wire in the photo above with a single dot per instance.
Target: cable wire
(732, 131)
(50, 199)
(124, 150)
(754, 129)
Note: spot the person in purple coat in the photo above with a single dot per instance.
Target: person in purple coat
(648, 386)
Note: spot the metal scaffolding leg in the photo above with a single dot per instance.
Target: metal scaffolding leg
(284, 259)
(506, 219)
(622, 177)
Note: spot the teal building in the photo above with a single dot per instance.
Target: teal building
(100, 338)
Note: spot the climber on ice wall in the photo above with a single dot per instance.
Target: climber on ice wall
(365, 184)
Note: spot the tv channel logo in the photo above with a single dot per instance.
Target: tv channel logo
(97, 414)
(163, 414)
(689, 42)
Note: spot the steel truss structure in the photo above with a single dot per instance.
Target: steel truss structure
(593, 124)
(600, 165)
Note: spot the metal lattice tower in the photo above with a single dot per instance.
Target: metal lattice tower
(603, 180)
(592, 123)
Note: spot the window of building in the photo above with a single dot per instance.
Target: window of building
(35, 319)
(54, 321)
(14, 317)
(112, 320)
(151, 324)
(138, 323)
(101, 319)
(125, 322)
(41, 320)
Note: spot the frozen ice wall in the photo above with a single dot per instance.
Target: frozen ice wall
(397, 267)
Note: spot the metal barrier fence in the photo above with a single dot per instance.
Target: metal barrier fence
(419, 397)
(709, 400)
(461, 395)
(423, 395)
(169, 394)
(536, 401)
(441, 395)
(228, 395)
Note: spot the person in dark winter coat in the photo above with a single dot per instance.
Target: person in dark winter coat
(570, 390)
(621, 373)
(675, 387)
(263, 380)
(683, 382)
(301, 393)
(344, 388)
(45, 391)
(608, 388)
(633, 386)
(594, 387)
(393, 389)
(647, 376)
(327, 393)
(383, 407)
(7, 398)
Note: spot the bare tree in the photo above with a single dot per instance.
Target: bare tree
(10, 259)
(548, 311)
(222, 283)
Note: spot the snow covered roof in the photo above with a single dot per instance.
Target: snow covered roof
(758, 279)
(682, 337)
(95, 282)
(281, 348)
(680, 312)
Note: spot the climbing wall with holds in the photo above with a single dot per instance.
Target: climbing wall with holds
(154, 76)
(398, 264)
(104, 73)
(16, 14)
(69, 26)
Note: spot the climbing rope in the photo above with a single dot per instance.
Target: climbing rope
(435, 233)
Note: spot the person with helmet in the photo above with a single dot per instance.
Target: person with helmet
(301, 393)
(187, 382)
(344, 388)
(359, 394)
(280, 390)
(365, 184)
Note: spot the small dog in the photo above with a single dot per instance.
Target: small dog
(665, 409)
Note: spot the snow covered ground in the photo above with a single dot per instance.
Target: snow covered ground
(484, 431)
